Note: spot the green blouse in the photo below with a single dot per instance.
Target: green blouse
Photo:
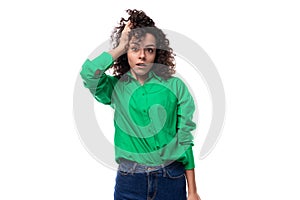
(153, 121)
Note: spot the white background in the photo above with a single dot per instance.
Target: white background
(254, 45)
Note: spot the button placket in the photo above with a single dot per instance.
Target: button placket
(144, 100)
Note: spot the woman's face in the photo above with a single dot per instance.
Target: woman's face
(141, 55)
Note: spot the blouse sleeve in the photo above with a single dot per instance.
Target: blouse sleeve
(185, 124)
(100, 84)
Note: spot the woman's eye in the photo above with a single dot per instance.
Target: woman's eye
(134, 49)
(150, 50)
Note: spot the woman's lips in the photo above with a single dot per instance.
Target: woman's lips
(141, 65)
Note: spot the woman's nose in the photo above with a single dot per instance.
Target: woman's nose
(142, 54)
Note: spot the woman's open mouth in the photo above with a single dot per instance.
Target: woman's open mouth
(141, 64)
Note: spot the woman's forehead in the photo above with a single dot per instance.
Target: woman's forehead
(147, 39)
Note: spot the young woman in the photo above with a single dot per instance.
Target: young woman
(153, 112)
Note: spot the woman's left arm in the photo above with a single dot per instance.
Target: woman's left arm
(192, 188)
(185, 125)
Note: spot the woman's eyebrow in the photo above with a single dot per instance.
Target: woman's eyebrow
(150, 45)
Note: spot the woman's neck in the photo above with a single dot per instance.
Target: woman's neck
(140, 78)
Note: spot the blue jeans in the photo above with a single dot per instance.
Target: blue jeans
(140, 182)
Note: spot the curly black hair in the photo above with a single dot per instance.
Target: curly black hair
(164, 63)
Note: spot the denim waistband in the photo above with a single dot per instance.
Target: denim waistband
(134, 167)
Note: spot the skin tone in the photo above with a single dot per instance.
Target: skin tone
(192, 188)
(141, 56)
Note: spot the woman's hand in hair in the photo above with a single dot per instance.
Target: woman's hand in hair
(122, 47)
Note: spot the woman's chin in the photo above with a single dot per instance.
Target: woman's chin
(141, 72)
